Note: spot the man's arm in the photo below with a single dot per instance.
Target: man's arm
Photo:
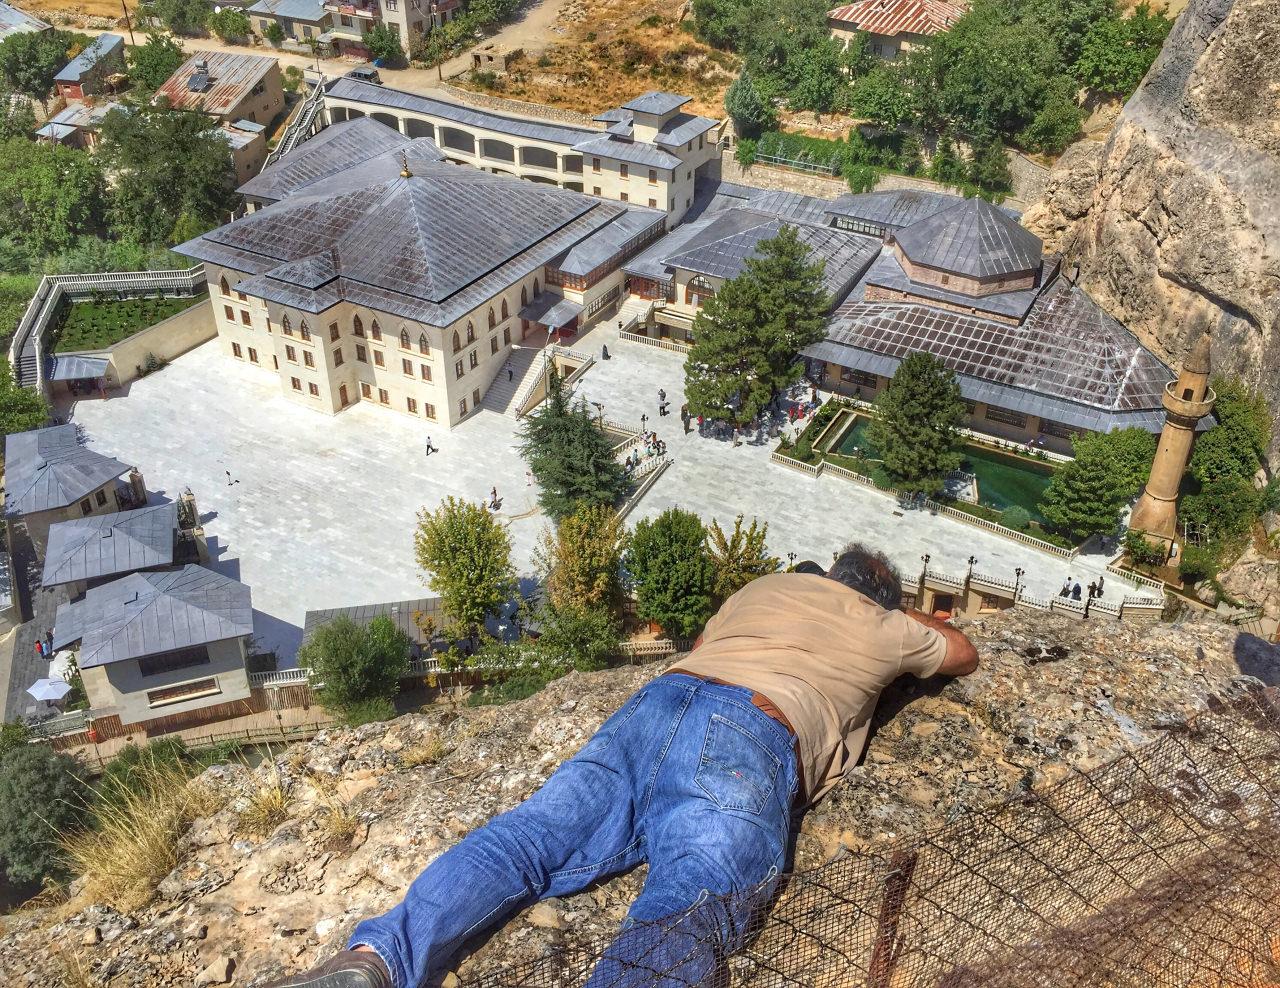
(962, 657)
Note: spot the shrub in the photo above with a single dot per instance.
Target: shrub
(861, 178)
(357, 663)
(1142, 551)
(14, 735)
(1197, 564)
(512, 688)
(577, 637)
(274, 34)
(745, 153)
(40, 798)
(1017, 517)
(368, 712)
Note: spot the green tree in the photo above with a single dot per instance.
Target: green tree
(1238, 444)
(14, 735)
(30, 60)
(384, 44)
(858, 59)
(48, 195)
(274, 34)
(152, 63)
(741, 557)
(989, 167)
(166, 165)
(1086, 495)
(747, 338)
(17, 118)
(743, 102)
(1118, 51)
(577, 636)
(230, 24)
(466, 555)
(41, 800)
(356, 662)
(1132, 449)
(881, 95)
(672, 573)
(569, 454)
(183, 16)
(21, 409)
(1057, 122)
(919, 414)
(1224, 509)
(581, 561)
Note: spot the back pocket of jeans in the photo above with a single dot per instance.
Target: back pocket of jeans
(736, 770)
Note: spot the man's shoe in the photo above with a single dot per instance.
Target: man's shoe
(347, 969)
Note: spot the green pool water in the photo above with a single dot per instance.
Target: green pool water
(1003, 481)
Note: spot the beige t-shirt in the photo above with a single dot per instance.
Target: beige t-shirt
(821, 653)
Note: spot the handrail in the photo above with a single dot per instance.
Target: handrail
(550, 352)
(1135, 578)
(657, 341)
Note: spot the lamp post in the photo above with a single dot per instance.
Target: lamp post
(791, 558)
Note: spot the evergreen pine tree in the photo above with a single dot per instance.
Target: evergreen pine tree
(1086, 495)
(743, 102)
(748, 336)
(919, 413)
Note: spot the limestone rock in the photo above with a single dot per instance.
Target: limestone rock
(217, 973)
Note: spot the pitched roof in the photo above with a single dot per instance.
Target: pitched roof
(656, 102)
(293, 10)
(15, 21)
(101, 47)
(972, 238)
(401, 612)
(632, 152)
(106, 545)
(230, 77)
(891, 209)
(893, 17)
(48, 468)
(148, 613)
(683, 128)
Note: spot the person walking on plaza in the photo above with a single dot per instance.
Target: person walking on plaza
(430, 449)
(1101, 581)
(698, 775)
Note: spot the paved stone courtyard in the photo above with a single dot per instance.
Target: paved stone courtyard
(315, 512)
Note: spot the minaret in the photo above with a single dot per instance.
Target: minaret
(1186, 401)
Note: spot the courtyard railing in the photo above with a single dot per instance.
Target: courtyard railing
(550, 353)
(68, 723)
(657, 341)
(1135, 578)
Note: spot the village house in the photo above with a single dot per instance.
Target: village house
(406, 19)
(15, 21)
(77, 124)
(300, 20)
(227, 85)
(894, 26)
(84, 75)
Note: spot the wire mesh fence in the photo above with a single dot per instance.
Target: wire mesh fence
(1159, 869)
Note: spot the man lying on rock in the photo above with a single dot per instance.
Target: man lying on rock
(699, 774)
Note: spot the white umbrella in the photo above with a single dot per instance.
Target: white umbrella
(49, 689)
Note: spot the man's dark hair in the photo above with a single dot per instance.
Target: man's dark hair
(809, 567)
(869, 573)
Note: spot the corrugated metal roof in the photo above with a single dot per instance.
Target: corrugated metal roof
(149, 613)
(49, 468)
(971, 238)
(402, 612)
(15, 21)
(108, 545)
(587, 255)
(552, 311)
(231, 77)
(103, 46)
(656, 102)
(894, 209)
(683, 128)
(632, 152)
(893, 17)
(311, 11)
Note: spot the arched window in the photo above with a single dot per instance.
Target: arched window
(457, 342)
(524, 296)
(492, 319)
(286, 324)
(375, 331)
(698, 291)
(224, 287)
(506, 313)
(471, 332)
(404, 338)
(423, 346)
(304, 331)
(537, 288)
(357, 326)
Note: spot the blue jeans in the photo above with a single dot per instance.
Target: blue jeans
(688, 776)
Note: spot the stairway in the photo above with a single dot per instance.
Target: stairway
(299, 128)
(525, 364)
(26, 371)
(634, 311)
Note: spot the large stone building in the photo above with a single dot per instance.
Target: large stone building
(648, 152)
(374, 271)
(894, 26)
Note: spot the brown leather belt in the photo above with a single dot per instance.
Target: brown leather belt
(766, 707)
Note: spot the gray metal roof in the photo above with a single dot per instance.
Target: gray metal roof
(886, 272)
(366, 92)
(632, 152)
(683, 128)
(404, 613)
(588, 254)
(73, 367)
(335, 150)
(101, 47)
(294, 10)
(15, 21)
(894, 209)
(656, 102)
(107, 545)
(149, 613)
(46, 469)
(971, 238)
(56, 131)
(552, 311)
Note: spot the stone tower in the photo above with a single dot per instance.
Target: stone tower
(1186, 401)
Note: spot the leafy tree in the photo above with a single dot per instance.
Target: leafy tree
(569, 454)
(582, 559)
(882, 96)
(14, 735)
(1238, 444)
(741, 557)
(40, 800)
(1142, 551)
(817, 82)
(165, 165)
(356, 663)
(916, 429)
(152, 63)
(384, 44)
(229, 24)
(577, 636)
(1057, 122)
(274, 34)
(1225, 508)
(48, 195)
(1118, 51)
(748, 336)
(1133, 449)
(30, 60)
(21, 409)
(1197, 563)
(672, 573)
(183, 16)
(989, 167)
(89, 254)
(466, 555)
(17, 118)
(1086, 495)
(743, 102)
(857, 59)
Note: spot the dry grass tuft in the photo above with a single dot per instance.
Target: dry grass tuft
(338, 825)
(75, 974)
(268, 806)
(133, 844)
(427, 752)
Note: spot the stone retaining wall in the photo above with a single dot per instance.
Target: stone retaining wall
(516, 107)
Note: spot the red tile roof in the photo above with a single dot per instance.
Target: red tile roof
(893, 17)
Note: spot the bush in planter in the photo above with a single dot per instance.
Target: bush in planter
(1197, 564)
(1017, 517)
(1141, 551)
(803, 451)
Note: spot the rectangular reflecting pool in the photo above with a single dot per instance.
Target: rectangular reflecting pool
(1003, 479)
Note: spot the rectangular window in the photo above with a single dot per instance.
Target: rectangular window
(85, 507)
(235, 349)
(493, 344)
(412, 405)
(100, 497)
(653, 203)
(229, 312)
(308, 359)
(333, 332)
(595, 190)
(653, 176)
(377, 358)
(595, 164)
(365, 390)
(1006, 416)
(457, 369)
(290, 354)
(861, 378)
(623, 196)
(474, 360)
(337, 357)
(183, 658)
(475, 398)
(295, 383)
(429, 410)
(383, 396)
(253, 355)
(407, 366)
(269, 324)
(462, 406)
(314, 389)
(622, 170)
(245, 318)
(362, 355)
(186, 691)
(425, 371)
(1059, 429)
